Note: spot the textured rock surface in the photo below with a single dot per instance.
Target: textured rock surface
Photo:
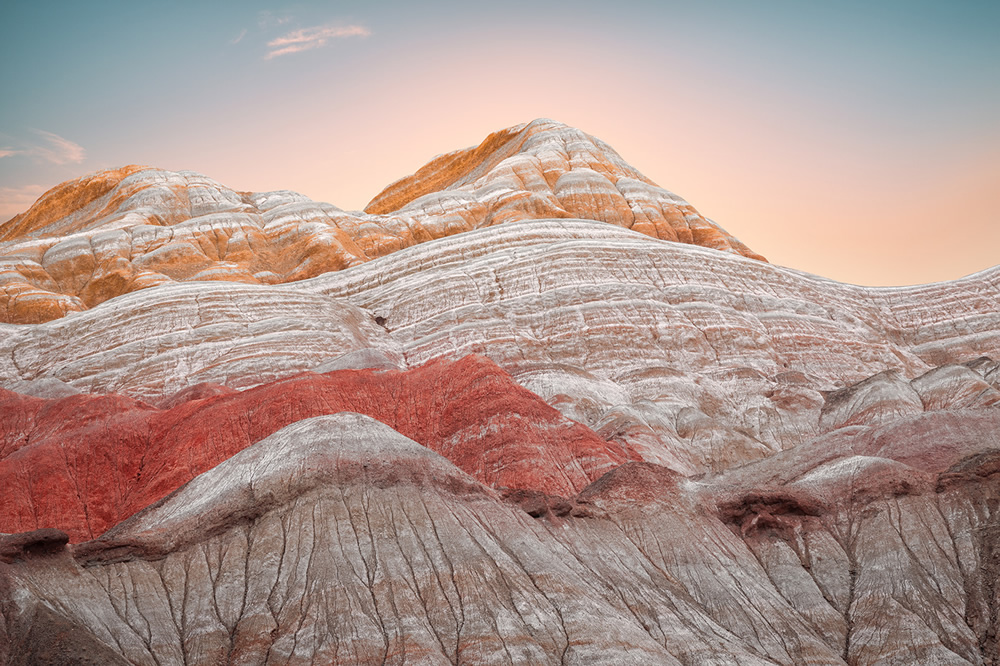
(85, 463)
(128, 229)
(545, 441)
(696, 359)
(338, 539)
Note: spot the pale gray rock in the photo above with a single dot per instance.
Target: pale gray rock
(46, 387)
(153, 343)
(881, 398)
(697, 359)
(361, 359)
(955, 387)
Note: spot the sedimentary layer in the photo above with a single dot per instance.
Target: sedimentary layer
(465, 427)
(697, 359)
(338, 539)
(85, 463)
(127, 229)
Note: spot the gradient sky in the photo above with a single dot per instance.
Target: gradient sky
(855, 140)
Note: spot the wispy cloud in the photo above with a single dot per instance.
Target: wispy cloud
(49, 147)
(239, 37)
(14, 200)
(312, 38)
(58, 150)
(266, 19)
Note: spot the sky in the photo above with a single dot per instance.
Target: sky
(857, 140)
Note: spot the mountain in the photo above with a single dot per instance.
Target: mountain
(545, 432)
(123, 230)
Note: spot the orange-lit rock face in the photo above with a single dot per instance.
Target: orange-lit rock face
(544, 170)
(122, 230)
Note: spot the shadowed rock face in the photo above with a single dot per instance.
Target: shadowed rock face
(544, 441)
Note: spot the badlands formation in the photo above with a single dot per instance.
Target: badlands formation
(527, 407)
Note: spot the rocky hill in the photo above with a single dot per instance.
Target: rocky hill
(501, 416)
(123, 230)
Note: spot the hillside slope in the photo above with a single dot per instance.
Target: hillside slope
(527, 429)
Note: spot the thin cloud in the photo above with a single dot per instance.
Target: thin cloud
(266, 19)
(312, 38)
(14, 200)
(46, 146)
(239, 38)
(54, 148)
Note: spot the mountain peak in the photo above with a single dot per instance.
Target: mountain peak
(461, 167)
(121, 230)
(73, 195)
(545, 169)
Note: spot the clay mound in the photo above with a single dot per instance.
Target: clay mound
(340, 449)
(879, 399)
(61, 210)
(122, 230)
(83, 464)
(853, 466)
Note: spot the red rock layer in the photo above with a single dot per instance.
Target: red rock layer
(84, 463)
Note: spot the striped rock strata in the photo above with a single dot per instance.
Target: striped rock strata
(85, 463)
(128, 229)
(338, 539)
(697, 359)
(578, 443)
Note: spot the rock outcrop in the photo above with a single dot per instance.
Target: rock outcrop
(465, 427)
(85, 463)
(696, 359)
(338, 539)
(127, 229)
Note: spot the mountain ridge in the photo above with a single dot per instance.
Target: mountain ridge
(122, 230)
